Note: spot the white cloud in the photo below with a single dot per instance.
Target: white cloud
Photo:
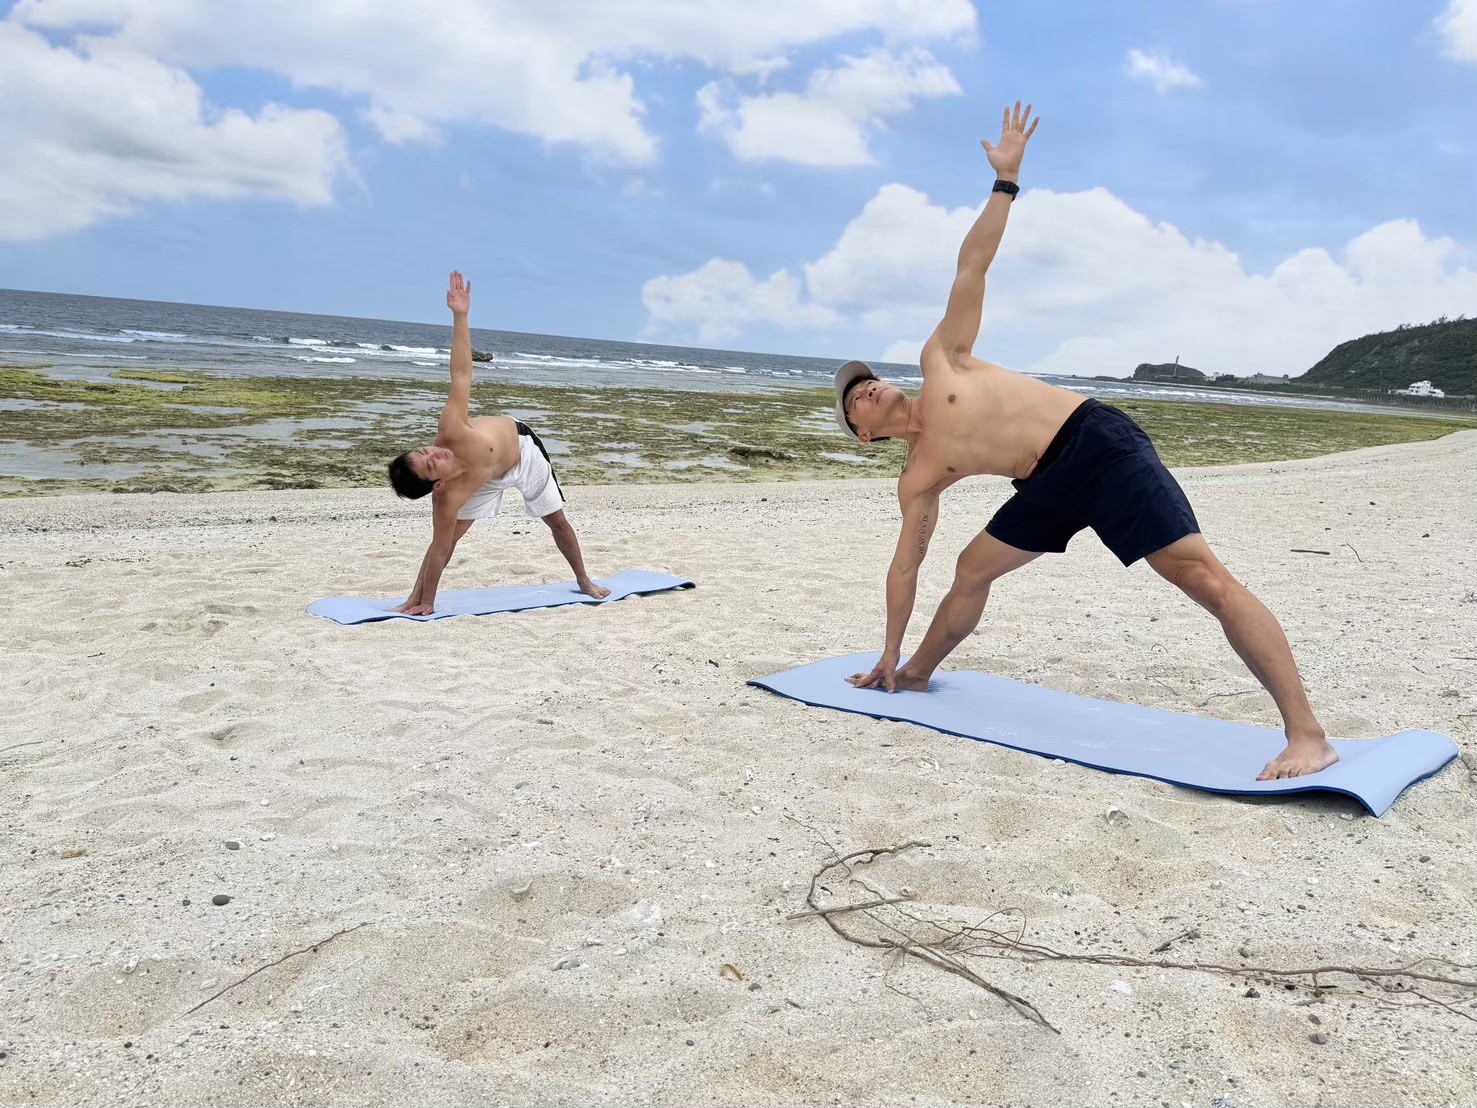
(1458, 28)
(894, 263)
(1084, 284)
(400, 127)
(549, 70)
(1159, 71)
(904, 352)
(1121, 289)
(639, 188)
(718, 299)
(828, 124)
(95, 131)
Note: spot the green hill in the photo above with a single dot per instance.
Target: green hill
(1444, 353)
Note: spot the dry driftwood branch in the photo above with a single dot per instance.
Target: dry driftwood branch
(17, 746)
(1370, 973)
(1443, 1004)
(904, 944)
(849, 907)
(277, 962)
(942, 943)
(1188, 933)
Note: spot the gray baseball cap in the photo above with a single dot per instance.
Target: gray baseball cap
(851, 371)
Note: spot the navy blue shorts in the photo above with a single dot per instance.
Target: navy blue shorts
(1100, 471)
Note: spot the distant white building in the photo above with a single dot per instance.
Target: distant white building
(1266, 379)
(1421, 388)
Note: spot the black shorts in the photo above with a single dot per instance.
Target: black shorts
(1100, 471)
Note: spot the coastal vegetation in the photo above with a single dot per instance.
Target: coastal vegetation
(140, 430)
(1443, 353)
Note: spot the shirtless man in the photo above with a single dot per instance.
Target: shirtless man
(1076, 463)
(469, 466)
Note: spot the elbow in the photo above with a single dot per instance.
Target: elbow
(975, 261)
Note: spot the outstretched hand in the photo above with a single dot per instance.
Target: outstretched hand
(887, 674)
(459, 295)
(1005, 156)
(882, 676)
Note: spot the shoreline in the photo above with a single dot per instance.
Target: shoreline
(143, 430)
(1452, 407)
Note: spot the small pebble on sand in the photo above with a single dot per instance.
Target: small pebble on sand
(232, 844)
(219, 899)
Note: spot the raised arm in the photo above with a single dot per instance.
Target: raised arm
(920, 516)
(961, 323)
(457, 411)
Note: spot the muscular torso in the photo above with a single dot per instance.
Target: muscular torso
(979, 418)
(487, 446)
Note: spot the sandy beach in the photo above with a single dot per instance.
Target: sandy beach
(547, 858)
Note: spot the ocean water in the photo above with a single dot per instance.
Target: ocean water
(88, 337)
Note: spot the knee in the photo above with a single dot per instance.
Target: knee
(1210, 586)
(972, 578)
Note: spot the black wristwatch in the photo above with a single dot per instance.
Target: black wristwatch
(1010, 188)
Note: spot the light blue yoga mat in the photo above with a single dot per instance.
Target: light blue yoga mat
(1207, 754)
(482, 602)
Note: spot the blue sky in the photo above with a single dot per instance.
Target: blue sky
(1333, 141)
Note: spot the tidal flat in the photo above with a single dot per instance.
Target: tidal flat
(150, 430)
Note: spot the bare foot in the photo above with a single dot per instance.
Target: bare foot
(912, 682)
(589, 588)
(1303, 756)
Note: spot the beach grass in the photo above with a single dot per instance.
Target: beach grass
(138, 430)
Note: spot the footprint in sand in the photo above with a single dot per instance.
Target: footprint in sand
(216, 608)
(201, 701)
